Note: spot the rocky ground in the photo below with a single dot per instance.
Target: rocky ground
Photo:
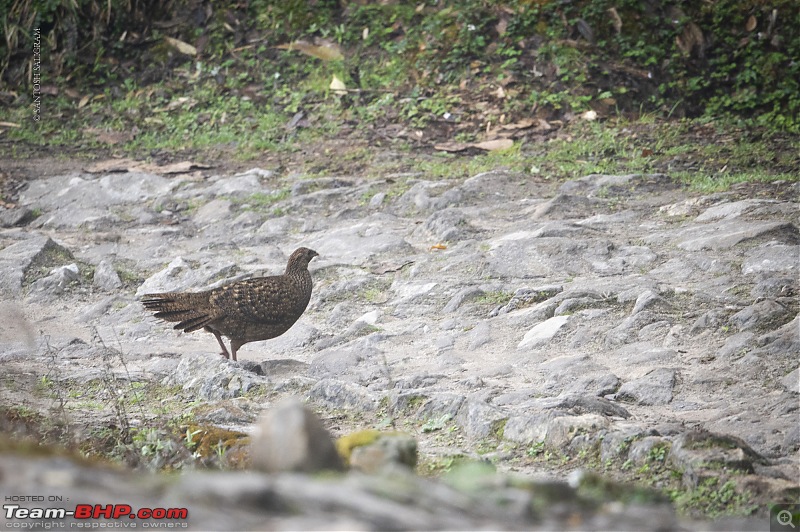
(613, 323)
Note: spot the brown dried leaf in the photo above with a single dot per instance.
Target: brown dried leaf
(487, 145)
(182, 167)
(84, 101)
(326, 52)
(615, 20)
(691, 37)
(111, 165)
(129, 165)
(751, 23)
(492, 145)
(337, 86)
(183, 47)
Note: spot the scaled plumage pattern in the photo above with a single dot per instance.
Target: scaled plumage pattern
(246, 311)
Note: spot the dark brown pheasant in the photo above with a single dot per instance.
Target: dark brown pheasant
(246, 311)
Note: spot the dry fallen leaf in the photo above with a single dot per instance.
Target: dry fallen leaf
(326, 52)
(488, 145)
(751, 23)
(615, 20)
(84, 101)
(337, 86)
(182, 47)
(492, 145)
(111, 165)
(438, 246)
(691, 37)
(9, 124)
(180, 168)
(129, 165)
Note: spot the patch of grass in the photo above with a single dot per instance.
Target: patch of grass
(262, 201)
(705, 182)
(498, 297)
(712, 500)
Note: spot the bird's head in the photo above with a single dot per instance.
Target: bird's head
(300, 258)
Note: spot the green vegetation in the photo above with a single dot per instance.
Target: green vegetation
(442, 72)
(710, 499)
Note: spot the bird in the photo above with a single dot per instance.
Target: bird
(246, 311)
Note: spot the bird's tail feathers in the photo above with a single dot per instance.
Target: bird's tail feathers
(190, 310)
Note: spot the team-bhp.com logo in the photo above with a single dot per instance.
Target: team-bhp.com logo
(96, 511)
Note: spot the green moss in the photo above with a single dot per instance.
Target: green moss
(711, 499)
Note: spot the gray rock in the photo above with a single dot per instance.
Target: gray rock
(290, 437)
(334, 363)
(357, 243)
(628, 330)
(275, 227)
(448, 225)
(792, 381)
(655, 388)
(530, 428)
(214, 212)
(757, 314)
(224, 413)
(526, 296)
(82, 200)
(576, 404)
(695, 452)
(543, 332)
(212, 377)
(737, 346)
(15, 217)
(284, 367)
(647, 449)
(646, 299)
(570, 305)
(774, 287)
(465, 294)
(17, 258)
(308, 186)
(106, 277)
(561, 430)
(182, 275)
(782, 342)
(339, 394)
(479, 419)
(239, 186)
(479, 335)
(406, 292)
(727, 235)
(385, 453)
(523, 255)
(771, 258)
(429, 196)
(59, 280)
(376, 201)
(729, 210)
(600, 384)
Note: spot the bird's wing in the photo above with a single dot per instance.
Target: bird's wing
(264, 300)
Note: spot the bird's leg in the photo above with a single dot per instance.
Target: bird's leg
(222, 345)
(235, 347)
